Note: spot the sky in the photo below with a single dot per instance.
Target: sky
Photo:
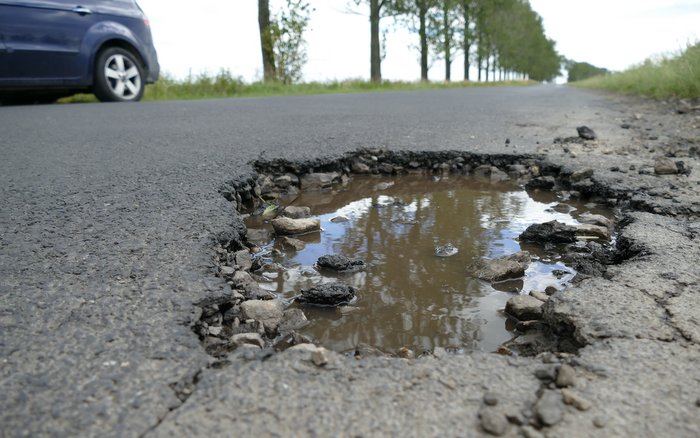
(207, 36)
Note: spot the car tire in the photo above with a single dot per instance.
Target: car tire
(119, 76)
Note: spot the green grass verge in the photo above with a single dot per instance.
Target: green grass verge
(224, 85)
(677, 77)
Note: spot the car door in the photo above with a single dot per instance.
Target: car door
(43, 38)
(3, 56)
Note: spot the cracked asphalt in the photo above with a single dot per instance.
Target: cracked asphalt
(108, 218)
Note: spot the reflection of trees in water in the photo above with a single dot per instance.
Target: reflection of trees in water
(411, 297)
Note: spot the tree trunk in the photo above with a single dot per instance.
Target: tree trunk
(268, 56)
(466, 42)
(488, 67)
(422, 13)
(375, 50)
(447, 40)
(479, 61)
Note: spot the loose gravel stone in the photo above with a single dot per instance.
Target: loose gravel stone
(586, 133)
(549, 408)
(573, 399)
(593, 231)
(665, 166)
(286, 226)
(293, 319)
(319, 357)
(580, 175)
(248, 339)
(340, 263)
(332, 294)
(566, 376)
(502, 268)
(531, 432)
(493, 421)
(491, 399)
(549, 232)
(292, 243)
(524, 307)
(244, 259)
(294, 212)
(317, 181)
(539, 295)
(600, 421)
(268, 312)
(546, 373)
(227, 271)
(595, 219)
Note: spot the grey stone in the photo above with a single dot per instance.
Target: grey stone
(566, 376)
(227, 271)
(243, 259)
(340, 263)
(284, 181)
(360, 167)
(295, 212)
(503, 268)
(317, 181)
(491, 399)
(580, 175)
(589, 230)
(498, 175)
(293, 319)
(493, 421)
(600, 421)
(248, 338)
(268, 312)
(665, 166)
(241, 278)
(319, 357)
(292, 243)
(333, 294)
(405, 353)
(595, 219)
(531, 432)
(286, 226)
(258, 235)
(524, 307)
(549, 232)
(571, 398)
(339, 219)
(539, 295)
(541, 182)
(549, 408)
(386, 168)
(586, 133)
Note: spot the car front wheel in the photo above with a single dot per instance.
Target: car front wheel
(118, 76)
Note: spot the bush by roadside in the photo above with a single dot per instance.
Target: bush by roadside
(675, 76)
(225, 85)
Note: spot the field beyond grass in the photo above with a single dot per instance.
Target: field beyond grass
(669, 77)
(224, 85)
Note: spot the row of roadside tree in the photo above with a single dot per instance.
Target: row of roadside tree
(499, 39)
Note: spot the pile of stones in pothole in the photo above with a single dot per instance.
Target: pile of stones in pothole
(583, 252)
(253, 318)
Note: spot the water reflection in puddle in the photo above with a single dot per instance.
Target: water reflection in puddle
(408, 296)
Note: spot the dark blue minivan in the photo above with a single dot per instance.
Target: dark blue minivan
(55, 48)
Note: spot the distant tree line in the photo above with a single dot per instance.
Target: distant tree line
(578, 71)
(500, 39)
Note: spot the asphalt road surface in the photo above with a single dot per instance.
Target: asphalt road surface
(106, 229)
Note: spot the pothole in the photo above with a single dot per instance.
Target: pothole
(406, 263)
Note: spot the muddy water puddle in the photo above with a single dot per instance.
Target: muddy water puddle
(417, 235)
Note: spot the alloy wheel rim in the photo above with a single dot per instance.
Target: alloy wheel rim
(123, 77)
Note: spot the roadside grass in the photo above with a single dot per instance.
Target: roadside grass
(669, 77)
(224, 85)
